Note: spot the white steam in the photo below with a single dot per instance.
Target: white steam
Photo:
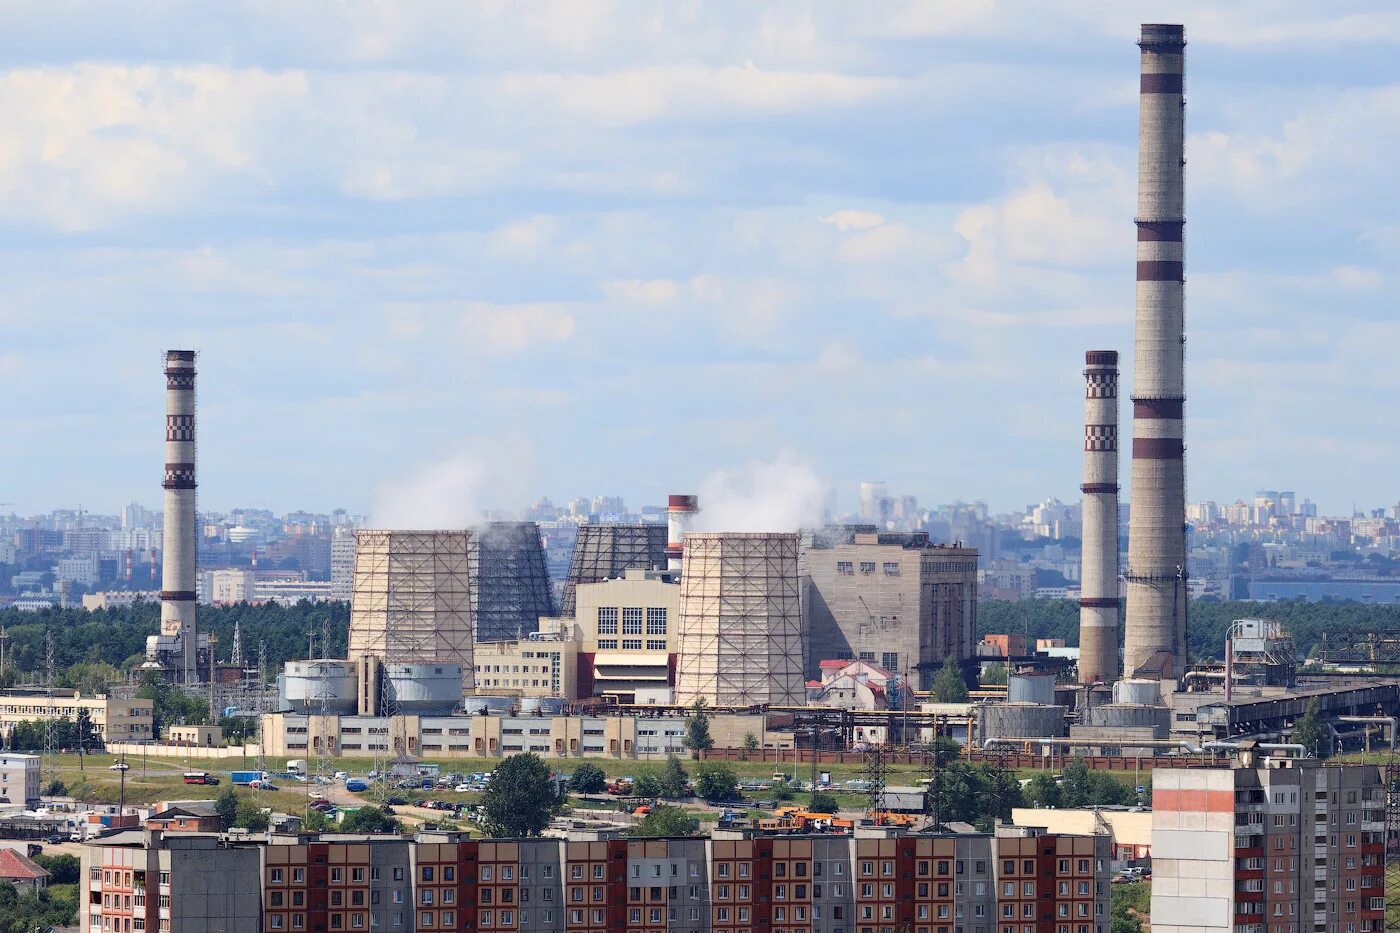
(444, 495)
(782, 494)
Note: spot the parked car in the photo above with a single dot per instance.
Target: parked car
(397, 801)
(119, 766)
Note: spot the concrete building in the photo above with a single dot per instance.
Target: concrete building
(1129, 829)
(115, 720)
(200, 736)
(117, 598)
(80, 570)
(628, 637)
(412, 598)
(19, 779)
(543, 666)
(1098, 598)
(1155, 627)
(1290, 846)
(338, 882)
(859, 684)
(740, 632)
(226, 586)
(893, 599)
(146, 880)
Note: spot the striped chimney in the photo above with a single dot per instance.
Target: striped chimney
(177, 587)
(1098, 578)
(1155, 637)
(680, 510)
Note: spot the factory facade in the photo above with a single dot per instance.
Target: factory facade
(892, 599)
(728, 882)
(113, 719)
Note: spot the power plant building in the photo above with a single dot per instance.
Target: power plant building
(1155, 627)
(740, 633)
(892, 599)
(605, 551)
(1098, 579)
(412, 598)
(512, 581)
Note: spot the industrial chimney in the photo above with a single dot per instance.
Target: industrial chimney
(680, 511)
(1155, 642)
(1098, 578)
(177, 589)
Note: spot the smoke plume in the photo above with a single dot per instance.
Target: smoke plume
(443, 495)
(782, 494)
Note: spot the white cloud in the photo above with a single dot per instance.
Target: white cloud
(853, 220)
(515, 328)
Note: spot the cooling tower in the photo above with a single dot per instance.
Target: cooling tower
(1155, 637)
(512, 582)
(1098, 602)
(739, 635)
(604, 551)
(411, 598)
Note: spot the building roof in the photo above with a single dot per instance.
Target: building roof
(17, 867)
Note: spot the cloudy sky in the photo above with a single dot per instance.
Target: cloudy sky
(585, 246)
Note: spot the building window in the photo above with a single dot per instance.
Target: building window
(656, 644)
(605, 644)
(632, 621)
(607, 620)
(891, 568)
(632, 644)
(867, 566)
(889, 660)
(845, 568)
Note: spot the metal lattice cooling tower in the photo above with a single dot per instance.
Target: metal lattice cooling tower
(604, 551)
(739, 637)
(512, 581)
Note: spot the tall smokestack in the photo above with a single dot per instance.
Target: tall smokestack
(1098, 578)
(680, 511)
(177, 575)
(1155, 643)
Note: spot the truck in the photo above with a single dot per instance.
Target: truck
(356, 786)
(247, 777)
(200, 777)
(296, 766)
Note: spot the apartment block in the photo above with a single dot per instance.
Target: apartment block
(1278, 846)
(336, 882)
(893, 599)
(19, 779)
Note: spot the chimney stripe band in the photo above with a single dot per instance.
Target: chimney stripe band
(1158, 448)
(1159, 231)
(1091, 488)
(1157, 408)
(1160, 270)
(178, 596)
(1099, 603)
(1161, 83)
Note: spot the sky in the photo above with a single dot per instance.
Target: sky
(580, 247)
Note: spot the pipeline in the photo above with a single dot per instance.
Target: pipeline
(1091, 743)
(1393, 722)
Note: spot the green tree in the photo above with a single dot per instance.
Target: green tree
(520, 800)
(249, 816)
(994, 674)
(648, 783)
(948, 686)
(750, 746)
(226, 805)
(1043, 792)
(1128, 904)
(716, 782)
(372, 820)
(673, 778)
(666, 820)
(55, 788)
(62, 869)
(1310, 733)
(945, 750)
(823, 803)
(697, 729)
(588, 779)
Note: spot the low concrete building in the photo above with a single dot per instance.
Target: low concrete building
(202, 736)
(20, 779)
(1129, 829)
(539, 666)
(114, 720)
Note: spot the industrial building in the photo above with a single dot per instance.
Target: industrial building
(113, 719)
(596, 882)
(1155, 627)
(1269, 846)
(893, 599)
(740, 635)
(627, 631)
(412, 598)
(511, 589)
(605, 551)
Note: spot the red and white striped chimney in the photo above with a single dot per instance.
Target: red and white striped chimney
(680, 510)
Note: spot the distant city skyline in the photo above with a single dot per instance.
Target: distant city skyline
(512, 248)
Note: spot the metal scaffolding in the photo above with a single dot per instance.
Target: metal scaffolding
(412, 597)
(740, 638)
(604, 552)
(512, 582)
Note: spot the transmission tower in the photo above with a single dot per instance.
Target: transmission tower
(935, 787)
(236, 655)
(875, 782)
(261, 762)
(51, 718)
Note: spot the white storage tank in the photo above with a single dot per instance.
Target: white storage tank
(529, 706)
(1031, 688)
(1138, 692)
(424, 689)
(483, 705)
(324, 683)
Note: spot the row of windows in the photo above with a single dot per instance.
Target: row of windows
(656, 623)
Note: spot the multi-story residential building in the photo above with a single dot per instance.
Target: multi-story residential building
(342, 562)
(19, 779)
(115, 720)
(734, 881)
(893, 599)
(1292, 846)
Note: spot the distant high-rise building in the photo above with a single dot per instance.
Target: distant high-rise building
(342, 562)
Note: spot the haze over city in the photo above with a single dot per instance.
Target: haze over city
(593, 247)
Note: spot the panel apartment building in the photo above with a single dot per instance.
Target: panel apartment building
(878, 881)
(1294, 846)
(893, 599)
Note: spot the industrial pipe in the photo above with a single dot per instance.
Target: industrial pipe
(1091, 743)
(1391, 720)
(1263, 746)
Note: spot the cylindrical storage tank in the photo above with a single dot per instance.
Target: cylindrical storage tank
(553, 706)
(1031, 688)
(1020, 721)
(1123, 715)
(475, 706)
(320, 684)
(425, 689)
(529, 706)
(1137, 692)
